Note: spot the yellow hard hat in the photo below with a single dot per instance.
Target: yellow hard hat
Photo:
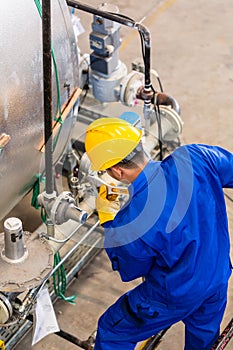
(110, 140)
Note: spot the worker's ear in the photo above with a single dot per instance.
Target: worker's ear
(117, 172)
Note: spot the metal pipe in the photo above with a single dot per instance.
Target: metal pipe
(43, 235)
(71, 251)
(47, 81)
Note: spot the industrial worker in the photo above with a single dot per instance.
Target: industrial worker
(172, 231)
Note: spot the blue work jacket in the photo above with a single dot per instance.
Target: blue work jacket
(173, 230)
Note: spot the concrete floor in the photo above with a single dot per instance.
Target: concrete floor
(192, 50)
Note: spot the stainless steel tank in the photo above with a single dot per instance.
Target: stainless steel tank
(21, 92)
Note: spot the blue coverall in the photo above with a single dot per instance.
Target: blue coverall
(174, 232)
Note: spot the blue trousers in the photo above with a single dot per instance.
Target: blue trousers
(133, 319)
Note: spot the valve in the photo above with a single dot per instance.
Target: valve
(62, 208)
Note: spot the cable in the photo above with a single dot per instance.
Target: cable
(140, 34)
(35, 192)
(160, 84)
(123, 16)
(59, 281)
(142, 42)
(142, 46)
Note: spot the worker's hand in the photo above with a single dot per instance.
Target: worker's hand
(106, 206)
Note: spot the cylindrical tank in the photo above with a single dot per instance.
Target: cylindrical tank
(21, 92)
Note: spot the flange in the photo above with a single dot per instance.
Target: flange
(30, 272)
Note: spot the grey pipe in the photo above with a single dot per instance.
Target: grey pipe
(47, 81)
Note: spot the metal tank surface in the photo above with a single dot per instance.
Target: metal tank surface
(21, 92)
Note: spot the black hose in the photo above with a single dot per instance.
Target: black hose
(147, 67)
(113, 17)
(145, 41)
